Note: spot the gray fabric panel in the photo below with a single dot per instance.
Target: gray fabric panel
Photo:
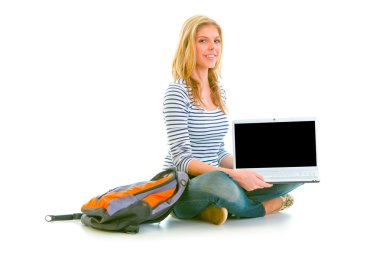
(118, 204)
(134, 215)
(121, 203)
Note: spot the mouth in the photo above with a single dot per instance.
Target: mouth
(211, 57)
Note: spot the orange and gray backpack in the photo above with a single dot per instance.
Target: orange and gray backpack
(125, 208)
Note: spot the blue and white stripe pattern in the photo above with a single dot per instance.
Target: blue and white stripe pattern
(193, 133)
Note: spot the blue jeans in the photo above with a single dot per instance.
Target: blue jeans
(220, 189)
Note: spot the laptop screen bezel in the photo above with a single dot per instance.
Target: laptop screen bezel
(271, 120)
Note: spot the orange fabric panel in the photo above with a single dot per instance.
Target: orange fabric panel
(154, 199)
(104, 201)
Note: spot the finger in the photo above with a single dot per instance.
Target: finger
(260, 176)
(250, 189)
(255, 187)
(264, 184)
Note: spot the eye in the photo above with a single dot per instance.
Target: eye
(202, 41)
(217, 41)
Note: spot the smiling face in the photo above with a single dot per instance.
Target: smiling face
(208, 47)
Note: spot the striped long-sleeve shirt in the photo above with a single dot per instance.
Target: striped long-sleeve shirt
(192, 133)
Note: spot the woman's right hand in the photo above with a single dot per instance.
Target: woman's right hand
(249, 179)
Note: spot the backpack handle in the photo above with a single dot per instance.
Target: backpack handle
(74, 216)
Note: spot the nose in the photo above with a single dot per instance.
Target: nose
(211, 46)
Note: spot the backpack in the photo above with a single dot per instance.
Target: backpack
(124, 208)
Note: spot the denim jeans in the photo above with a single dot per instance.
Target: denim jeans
(220, 189)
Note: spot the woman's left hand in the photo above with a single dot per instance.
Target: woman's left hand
(249, 179)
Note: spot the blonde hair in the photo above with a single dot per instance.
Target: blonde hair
(185, 61)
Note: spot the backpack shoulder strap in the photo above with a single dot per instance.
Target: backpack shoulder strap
(182, 182)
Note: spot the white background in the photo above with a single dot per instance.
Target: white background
(81, 92)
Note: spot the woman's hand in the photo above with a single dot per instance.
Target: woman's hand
(249, 179)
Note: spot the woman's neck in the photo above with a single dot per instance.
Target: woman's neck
(201, 75)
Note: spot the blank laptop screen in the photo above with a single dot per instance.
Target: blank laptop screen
(275, 144)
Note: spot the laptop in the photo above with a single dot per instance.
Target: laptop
(282, 150)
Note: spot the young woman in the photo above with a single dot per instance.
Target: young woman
(196, 124)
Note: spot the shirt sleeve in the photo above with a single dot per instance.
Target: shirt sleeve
(176, 111)
(222, 153)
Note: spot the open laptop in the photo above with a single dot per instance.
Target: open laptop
(281, 150)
